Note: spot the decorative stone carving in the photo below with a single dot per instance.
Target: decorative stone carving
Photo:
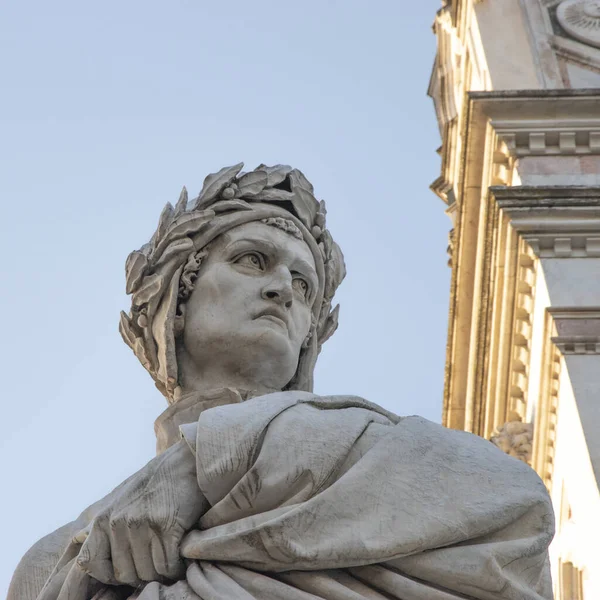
(578, 345)
(158, 275)
(581, 19)
(516, 439)
(525, 293)
(557, 221)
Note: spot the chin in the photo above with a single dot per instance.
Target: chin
(273, 354)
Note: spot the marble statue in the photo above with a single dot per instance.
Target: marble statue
(260, 488)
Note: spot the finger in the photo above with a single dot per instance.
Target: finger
(163, 566)
(77, 585)
(55, 582)
(175, 567)
(122, 559)
(141, 551)
(95, 554)
(82, 535)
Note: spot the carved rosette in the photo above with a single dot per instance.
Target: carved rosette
(581, 19)
(516, 439)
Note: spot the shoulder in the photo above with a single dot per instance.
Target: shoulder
(466, 455)
(38, 562)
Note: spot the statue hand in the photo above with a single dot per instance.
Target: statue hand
(136, 537)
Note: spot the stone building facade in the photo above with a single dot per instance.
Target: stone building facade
(516, 89)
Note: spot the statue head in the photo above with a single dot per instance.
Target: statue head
(235, 286)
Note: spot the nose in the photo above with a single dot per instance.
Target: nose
(279, 289)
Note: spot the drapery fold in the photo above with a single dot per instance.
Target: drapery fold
(335, 498)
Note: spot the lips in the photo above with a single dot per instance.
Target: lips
(276, 316)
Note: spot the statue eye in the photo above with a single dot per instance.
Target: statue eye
(254, 260)
(301, 286)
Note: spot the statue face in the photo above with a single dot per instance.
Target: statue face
(251, 306)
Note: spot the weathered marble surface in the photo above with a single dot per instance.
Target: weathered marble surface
(262, 493)
(302, 496)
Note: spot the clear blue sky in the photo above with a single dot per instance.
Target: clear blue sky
(107, 109)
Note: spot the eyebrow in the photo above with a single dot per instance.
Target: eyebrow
(252, 242)
(306, 268)
(299, 264)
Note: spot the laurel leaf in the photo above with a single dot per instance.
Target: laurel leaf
(187, 223)
(331, 282)
(305, 206)
(181, 203)
(273, 195)
(166, 218)
(126, 330)
(299, 180)
(321, 215)
(149, 288)
(134, 270)
(327, 241)
(227, 205)
(215, 183)
(252, 183)
(275, 174)
(177, 247)
(331, 324)
(323, 314)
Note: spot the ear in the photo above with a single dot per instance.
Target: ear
(179, 323)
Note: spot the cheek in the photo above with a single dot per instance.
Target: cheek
(221, 292)
(302, 320)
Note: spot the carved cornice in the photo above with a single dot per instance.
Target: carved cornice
(534, 138)
(582, 344)
(542, 123)
(557, 221)
(578, 329)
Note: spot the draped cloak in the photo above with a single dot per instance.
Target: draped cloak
(334, 498)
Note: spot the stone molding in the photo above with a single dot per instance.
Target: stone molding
(578, 329)
(556, 221)
(540, 121)
(521, 339)
(545, 123)
(531, 138)
(546, 411)
(578, 345)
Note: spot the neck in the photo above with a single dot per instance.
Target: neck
(194, 379)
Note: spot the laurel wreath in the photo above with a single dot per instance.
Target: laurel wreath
(154, 271)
